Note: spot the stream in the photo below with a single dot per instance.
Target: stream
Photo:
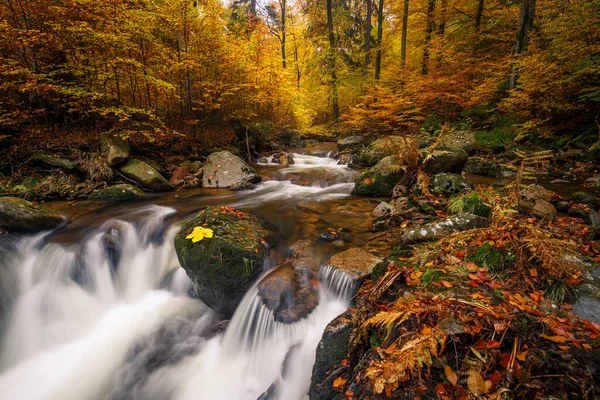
(89, 320)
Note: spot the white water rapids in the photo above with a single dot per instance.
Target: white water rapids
(111, 316)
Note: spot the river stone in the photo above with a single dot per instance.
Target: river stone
(380, 179)
(351, 143)
(146, 176)
(283, 158)
(122, 192)
(481, 166)
(577, 212)
(445, 160)
(534, 192)
(222, 268)
(383, 209)
(331, 351)
(179, 175)
(115, 148)
(54, 161)
(447, 183)
(357, 263)
(563, 206)
(224, 169)
(544, 210)
(592, 218)
(461, 140)
(18, 215)
(441, 229)
(384, 147)
(289, 292)
(586, 198)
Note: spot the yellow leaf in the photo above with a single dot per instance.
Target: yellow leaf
(200, 233)
(476, 383)
(451, 375)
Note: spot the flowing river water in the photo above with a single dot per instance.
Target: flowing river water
(101, 309)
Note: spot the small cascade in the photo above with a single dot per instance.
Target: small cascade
(337, 283)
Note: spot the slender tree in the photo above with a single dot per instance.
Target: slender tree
(331, 61)
(368, 34)
(379, 40)
(526, 17)
(429, 29)
(404, 34)
(479, 14)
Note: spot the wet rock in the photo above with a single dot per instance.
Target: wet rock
(385, 147)
(445, 160)
(593, 179)
(481, 166)
(222, 268)
(283, 158)
(301, 249)
(289, 292)
(399, 191)
(380, 179)
(447, 183)
(351, 143)
(242, 186)
(122, 192)
(179, 175)
(461, 140)
(330, 235)
(544, 210)
(441, 229)
(146, 176)
(115, 148)
(54, 161)
(383, 209)
(224, 169)
(577, 212)
(357, 263)
(338, 244)
(331, 351)
(586, 198)
(18, 215)
(586, 296)
(535, 192)
(563, 206)
(592, 218)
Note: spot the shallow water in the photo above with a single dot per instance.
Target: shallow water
(101, 309)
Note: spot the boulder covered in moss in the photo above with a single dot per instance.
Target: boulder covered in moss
(146, 176)
(441, 229)
(224, 169)
(380, 179)
(470, 203)
(54, 161)
(122, 192)
(447, 183)
(351, 143)
(383, 147)
(463, 140)
(445, 160)
(226, 260)
(18, 215)
(481, 166)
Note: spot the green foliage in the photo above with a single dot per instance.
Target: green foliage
(432, 125)
(472, 203)
(500, 134)
(488, 257)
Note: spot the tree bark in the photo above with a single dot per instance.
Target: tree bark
(443, 18)
(479, 15)
(379, 40)
(404, 34)
(331, 61)
(282, 3)
(368, 33)
(526, 17)
(429, 28)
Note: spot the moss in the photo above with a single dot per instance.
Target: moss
(489, 257)
(122, 192)
(501, 134)
(380, 179)
(471, 203)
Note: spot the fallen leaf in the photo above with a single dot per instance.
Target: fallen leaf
(447, 284)
(339, 382)
(451, 375)
(533, 272)
(200, 233)
(476, 383)
(555, 339)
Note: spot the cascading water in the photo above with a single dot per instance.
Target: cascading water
(112, 316)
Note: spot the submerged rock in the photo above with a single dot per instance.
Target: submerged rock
(355, 262)
(116, 149)
(445, 160)
(289, 290)
(380, 179)
(441, 229)
(143, 174)
(224, 169)
(222, 267)
(18, 215)
(122, 192)
(331, 351)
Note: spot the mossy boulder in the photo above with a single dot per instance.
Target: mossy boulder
(447, 183)
(222, 268)
(463, 140)
(143, 174)
(115, 148)
(384, 147)
(380, 179)
(441, 229)
(18, 215)
(352, 143)
(224, 169)
(481, 166)
(54, 161)
(445, 160)
(122, 192)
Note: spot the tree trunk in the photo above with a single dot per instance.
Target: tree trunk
(429, 28)
(379, 40)
(443, 19)
(283, 34)
(331, 61)
(525, 25)
(368, 34)
(479, 15)
(404, 34)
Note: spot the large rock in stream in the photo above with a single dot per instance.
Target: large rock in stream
(121, 192)
(146, 176)
(445, 160)
(441, 229)
(380, 179)
(224, 169)
(18, 215)
(223, 267)
(355, 262)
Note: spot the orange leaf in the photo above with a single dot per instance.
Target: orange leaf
(451, 375)
(533, 272)
(555, 339)
(339, 382)
(476, 383)
(522, 355)
(447, 284)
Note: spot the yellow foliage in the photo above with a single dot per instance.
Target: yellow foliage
(200, 233)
